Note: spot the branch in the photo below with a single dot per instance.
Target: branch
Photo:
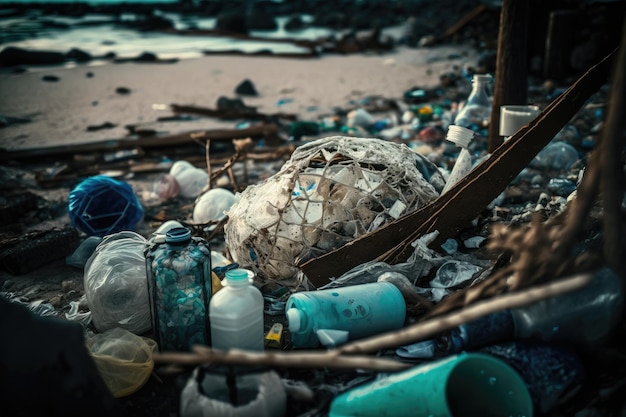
(344, 358)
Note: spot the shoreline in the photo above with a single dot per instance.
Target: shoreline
(86, 95)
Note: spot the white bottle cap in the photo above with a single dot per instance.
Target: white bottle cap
(294, 318)
(460, 135)
(482, 78)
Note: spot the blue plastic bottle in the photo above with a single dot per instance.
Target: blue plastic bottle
(333, 316)
(179, 284)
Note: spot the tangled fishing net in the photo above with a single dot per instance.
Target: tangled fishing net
(328, 193)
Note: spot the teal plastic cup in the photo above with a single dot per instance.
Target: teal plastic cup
(463, 385)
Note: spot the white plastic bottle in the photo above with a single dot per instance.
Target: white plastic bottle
(236, 314)
(461, 137)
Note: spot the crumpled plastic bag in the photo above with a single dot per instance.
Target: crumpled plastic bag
(124, 360)
(116, 284)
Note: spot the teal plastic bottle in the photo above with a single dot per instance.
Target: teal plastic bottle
(179, 284)
(334, 316)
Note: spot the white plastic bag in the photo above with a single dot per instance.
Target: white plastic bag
(116, 285)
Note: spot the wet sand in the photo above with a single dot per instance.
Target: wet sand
(61, 111)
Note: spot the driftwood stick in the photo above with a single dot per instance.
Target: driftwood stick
(259, 130)
(613, 141)
(454, 210)
(511, 78)
(430, 328)
(247, 113)
(350, 356)
(462, 22)
(311, 359)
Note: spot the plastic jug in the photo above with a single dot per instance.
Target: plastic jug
(179, 284)
(334, 316)
(236, 313)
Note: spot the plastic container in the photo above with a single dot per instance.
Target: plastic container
(236, 313)
(464, 385)
(333, 316)
(191, 180)
(512, 118)
(179, 283)
(556, 156)
(213, 205)
(476, 112)
(462, 137)
(585, 317)
(209, 394)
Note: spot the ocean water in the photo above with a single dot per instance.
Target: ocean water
(102, 34)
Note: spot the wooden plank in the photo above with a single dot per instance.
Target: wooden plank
(260, 130)
(454, 210)
(511, 78)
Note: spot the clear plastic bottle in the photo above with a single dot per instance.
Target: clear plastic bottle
(333, 316)
(462, 137)
(179, 283)
(585, 317)
(477, 109)
(236, 313)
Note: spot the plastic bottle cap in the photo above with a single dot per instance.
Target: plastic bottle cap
(482, 78)
(294, 318)
(460, 135)
(177, 235)
(237, 275)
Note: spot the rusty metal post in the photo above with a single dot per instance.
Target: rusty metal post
(511, 80)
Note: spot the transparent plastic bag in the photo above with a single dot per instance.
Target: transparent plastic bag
(124, 360)
(116, 285)
(207, 394)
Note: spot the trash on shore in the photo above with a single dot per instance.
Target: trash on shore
(485, 281)
(330, 192)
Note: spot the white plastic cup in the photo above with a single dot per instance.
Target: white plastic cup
(512, 118)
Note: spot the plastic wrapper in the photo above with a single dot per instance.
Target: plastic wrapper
(124, 360)
(330, 192)
(116, 286)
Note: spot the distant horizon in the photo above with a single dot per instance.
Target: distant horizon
(86, 1)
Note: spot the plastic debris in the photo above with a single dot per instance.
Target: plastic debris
(213, 205)
(461, 385)
(115, 283)
(255, 394)
(101, 205)
(330, 192)
(334, 316)
(179, 289)
(124, 360)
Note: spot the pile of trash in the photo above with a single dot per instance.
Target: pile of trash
(378, 336)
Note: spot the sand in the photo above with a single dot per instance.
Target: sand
(61, 111)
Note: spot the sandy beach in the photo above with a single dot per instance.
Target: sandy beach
(84, 95)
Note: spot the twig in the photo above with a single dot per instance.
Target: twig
(344, 358)
(430, 328)
(208, 163)
(312, 359)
